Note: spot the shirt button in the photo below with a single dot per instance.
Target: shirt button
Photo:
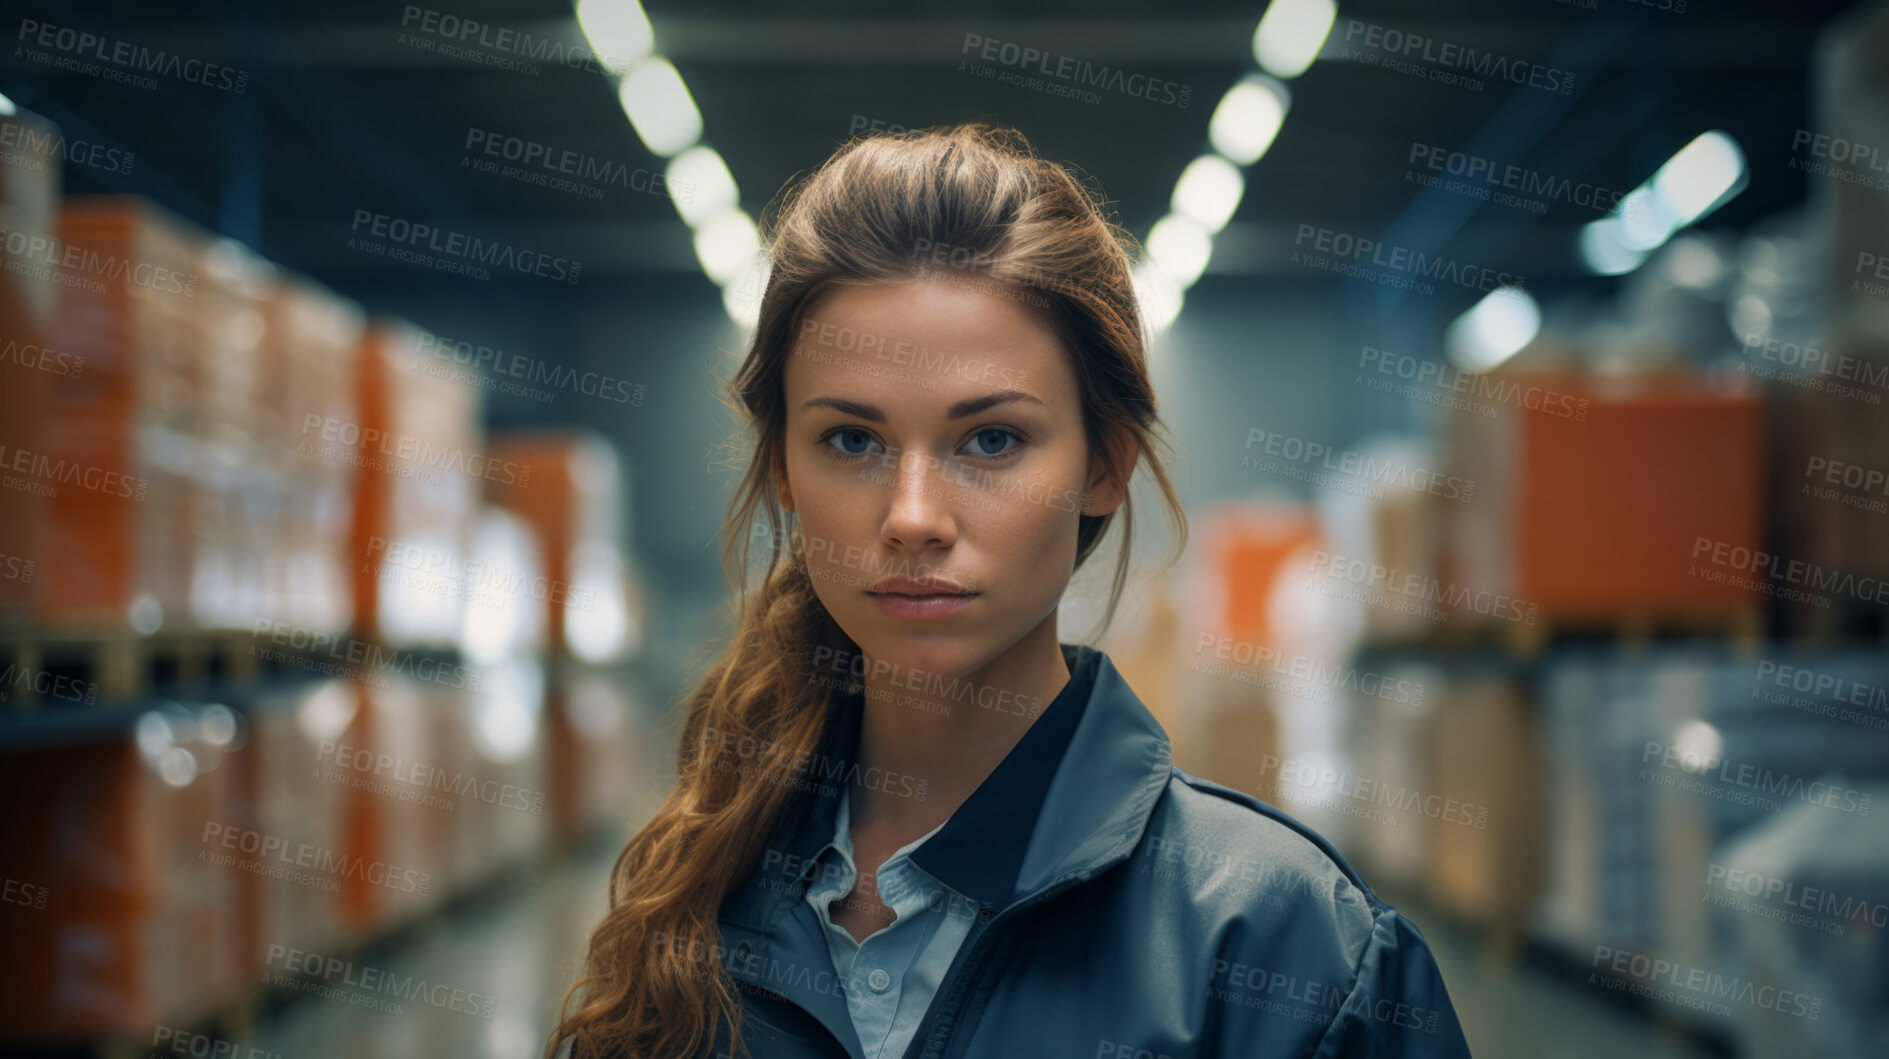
(879, 980)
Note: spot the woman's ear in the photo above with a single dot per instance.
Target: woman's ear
(782, 488)
(1108, 484)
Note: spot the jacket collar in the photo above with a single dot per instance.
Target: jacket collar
(1072, 797)
(1089, 769)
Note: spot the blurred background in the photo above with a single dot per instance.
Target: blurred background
(363, 480)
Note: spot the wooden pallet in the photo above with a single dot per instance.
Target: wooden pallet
(1744, 627)
(42, 668)
(1847, 620)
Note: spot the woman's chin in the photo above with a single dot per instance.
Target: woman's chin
(913, 655)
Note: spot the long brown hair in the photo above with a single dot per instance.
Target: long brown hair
(967, 202)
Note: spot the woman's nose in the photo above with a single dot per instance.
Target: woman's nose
(919, 509)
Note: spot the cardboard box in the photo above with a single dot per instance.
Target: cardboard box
(30, 357)
(136, 926)
(295, 783)
(1484, 825)
(420, 467)
(572, 498)
(588, 728)
(1591, 504)
(400, 820)
(119, 442)
(313, 345)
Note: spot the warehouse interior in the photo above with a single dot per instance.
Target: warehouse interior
(1527, 364)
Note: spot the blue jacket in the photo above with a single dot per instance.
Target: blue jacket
(1128, 910)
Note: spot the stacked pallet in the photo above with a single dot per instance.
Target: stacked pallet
(314, 347)
(30, 358)
(1595, 509)
(569, 493)
(140, 858)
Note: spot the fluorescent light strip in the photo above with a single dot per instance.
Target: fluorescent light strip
(661, 110)
(1287, 40)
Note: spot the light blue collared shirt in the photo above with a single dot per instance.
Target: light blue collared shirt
(891, 976)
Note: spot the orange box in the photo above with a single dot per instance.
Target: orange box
(1225, 722)
(588, 729)
(30, 358)
(572, 497)
(402, 830)
(311, 353)
(1250, 546)
(241, 492)
(1590, 505)
(292, 785)
(136, 927)
(123, 430)
(417, 450)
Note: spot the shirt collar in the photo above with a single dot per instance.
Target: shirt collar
(841, 844)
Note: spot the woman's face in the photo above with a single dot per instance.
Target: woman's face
(934, 431)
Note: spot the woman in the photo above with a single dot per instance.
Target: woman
(909, 820)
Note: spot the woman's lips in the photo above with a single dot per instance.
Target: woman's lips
(921, 608)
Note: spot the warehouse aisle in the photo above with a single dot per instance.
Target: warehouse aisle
(1500, 1005)
(492, 967)
(513, 946)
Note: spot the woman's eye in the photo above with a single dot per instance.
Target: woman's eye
(849, 436)
(994, 437)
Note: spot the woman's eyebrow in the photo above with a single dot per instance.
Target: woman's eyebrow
(970, 406)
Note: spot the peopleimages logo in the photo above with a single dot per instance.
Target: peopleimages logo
(1695, 987)
(1444, 57)
(362, 656)
(277, 857)
(1417, 586)
(38, 358)
(1748, 778)
(1317, 778)
(1347, 254)
(1846, 160)
(43, 475)
(49, 258)
(377, 764)
(458, 252)
(1068, 68)
(1484, 392)
(1305, 668)
(1481, 176)
(758, 758)
(1824, 694)
(1764, 568)
(129, 60)
(500, 47)
(1816, 369)
(414, 452)
(1348, 469)
(35, 146)
(864, 670)
(174, 1041)
(824, 334)
(561, 169)
(1810, 906)
(332, 971)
